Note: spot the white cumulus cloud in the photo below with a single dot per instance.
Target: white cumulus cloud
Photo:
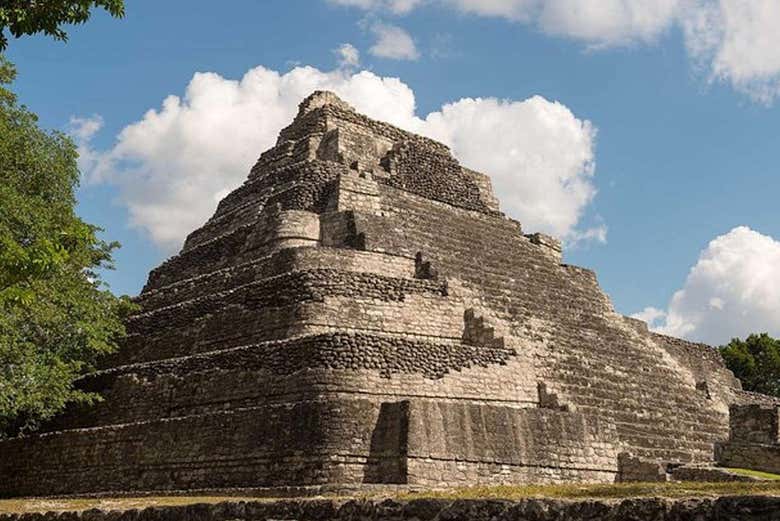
(653, 316)
(348, 56)
(515, 142)
(601, 23)
(173, 165)
(393, 42)
(516, 10)
(734, 41)
(738, 41)
(82, 130)
(732, 291)
(608, 22)
(394, 6)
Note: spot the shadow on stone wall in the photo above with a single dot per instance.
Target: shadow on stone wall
(389, 445)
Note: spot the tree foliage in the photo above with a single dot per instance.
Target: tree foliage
(56, 317)
(25, 17)
(756, 362)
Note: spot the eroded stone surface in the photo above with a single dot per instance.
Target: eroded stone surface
(358, 312)
(754, 438)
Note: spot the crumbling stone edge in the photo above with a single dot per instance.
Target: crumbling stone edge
(536, 509)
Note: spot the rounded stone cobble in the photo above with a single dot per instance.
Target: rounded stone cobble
(355, 351)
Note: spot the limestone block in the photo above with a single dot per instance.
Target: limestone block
(754, 423)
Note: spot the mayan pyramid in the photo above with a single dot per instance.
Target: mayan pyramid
(359, 312)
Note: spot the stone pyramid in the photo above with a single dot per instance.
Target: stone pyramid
(359, 312)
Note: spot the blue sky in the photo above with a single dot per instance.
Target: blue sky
(686, 148)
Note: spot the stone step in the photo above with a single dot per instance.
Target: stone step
(292, 287)
(245, 203)
(685, 400)
(252, 194)
(372, 357)
(613, 375)
(223, 324)
(215, 254)
(310, 193)
(287, 259)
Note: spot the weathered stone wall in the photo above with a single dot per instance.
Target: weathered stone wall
(754, 440)
(754, 424)
(436, 175)
(485, 186)
(706, 367)
(458, 444)
(355, 191)
(298, 186)
(131, 398)
(294, 287)
(362, 287)
(728, 508)
(749, 456)
(633, 469)
(312, 442)
(287, 260)
(246, 323)
(315, 442)
(595, 360)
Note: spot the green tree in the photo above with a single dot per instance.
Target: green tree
(56, 317)
(756, 362)
(23, 17)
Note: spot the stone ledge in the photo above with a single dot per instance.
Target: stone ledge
(291, 287)
(387, 354)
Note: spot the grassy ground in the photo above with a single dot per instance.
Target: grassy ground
(571, 491)
(121, 503)
(755, 473)
(608, 491)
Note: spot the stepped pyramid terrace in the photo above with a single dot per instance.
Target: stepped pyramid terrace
(360, 312)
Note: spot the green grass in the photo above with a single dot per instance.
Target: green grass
(510, 492)
(118, 503)
(754, 473)
(606, 491)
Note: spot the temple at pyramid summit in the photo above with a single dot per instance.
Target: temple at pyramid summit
(360, 312)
